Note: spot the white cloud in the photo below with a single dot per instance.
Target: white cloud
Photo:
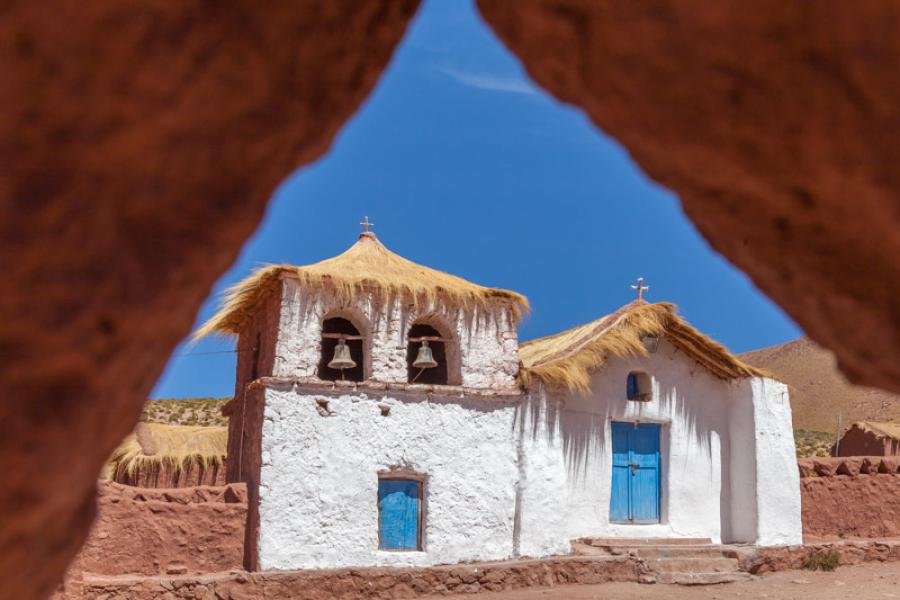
(493, 83)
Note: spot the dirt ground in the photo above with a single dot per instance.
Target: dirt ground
(860, 582)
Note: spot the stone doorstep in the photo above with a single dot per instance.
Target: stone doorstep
(703, 578)
(634, 542)
(694, 565)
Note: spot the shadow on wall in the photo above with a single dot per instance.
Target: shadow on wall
(577, 423)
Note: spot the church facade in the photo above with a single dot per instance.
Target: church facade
(386, 414)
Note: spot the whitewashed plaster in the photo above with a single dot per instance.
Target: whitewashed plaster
(690, 404)
(319, 478)
(541, 503)
(717, 439)
(778, 479)
(486, 338)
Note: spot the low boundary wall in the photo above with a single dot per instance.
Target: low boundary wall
(856, 497)
(165, 531)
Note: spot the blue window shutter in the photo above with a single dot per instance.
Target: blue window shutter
(398, 513)
(632, 386)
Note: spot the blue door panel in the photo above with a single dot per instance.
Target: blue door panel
(634, 496)
(398, 514)
(645, 496)
(619, 501)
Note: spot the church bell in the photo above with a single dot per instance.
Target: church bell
(341, 358)
(424, 359)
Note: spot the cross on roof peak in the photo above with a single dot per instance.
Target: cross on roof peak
(640, 288)
(366, 224)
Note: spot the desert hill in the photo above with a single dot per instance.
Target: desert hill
(819, 392)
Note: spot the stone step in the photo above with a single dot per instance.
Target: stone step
(658, 552)
(702, 578)
(632, 542)
(694, 565)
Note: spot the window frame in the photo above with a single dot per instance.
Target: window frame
(421, 481)
(639, 395)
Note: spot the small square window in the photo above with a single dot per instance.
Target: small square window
(638, 387)
(400, 514)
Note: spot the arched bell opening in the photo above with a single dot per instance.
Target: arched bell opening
(427, 356)
(343, 356)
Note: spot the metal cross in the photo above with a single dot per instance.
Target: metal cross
(365, 223)
(641, 288)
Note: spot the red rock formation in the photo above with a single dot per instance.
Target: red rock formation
(776, 125)
(140, 143)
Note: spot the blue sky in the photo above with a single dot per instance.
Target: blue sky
(466, 166)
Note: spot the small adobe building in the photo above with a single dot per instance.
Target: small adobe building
(869, 438)
(385, 414)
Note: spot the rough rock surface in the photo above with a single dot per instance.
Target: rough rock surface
(140, 145)
(783, 558)
(159, 532)
(778, 128)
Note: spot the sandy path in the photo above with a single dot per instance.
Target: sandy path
(861, 582)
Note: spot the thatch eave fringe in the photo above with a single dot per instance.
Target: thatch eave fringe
(567, 360)
(367, 267)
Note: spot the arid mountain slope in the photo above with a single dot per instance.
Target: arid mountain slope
(818, 390)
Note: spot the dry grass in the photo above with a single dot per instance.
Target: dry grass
(813, 443)
(205, 412)
(566, 360)
(367, 266)
(822, 560)
(177, 448)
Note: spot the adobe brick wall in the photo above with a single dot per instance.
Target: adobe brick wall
(144, 531)
(856, 497)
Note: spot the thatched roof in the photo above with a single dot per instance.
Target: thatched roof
(365, 266)
(154, 446)
(879, 429)
(566, 360)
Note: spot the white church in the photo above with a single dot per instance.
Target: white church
(385, 413)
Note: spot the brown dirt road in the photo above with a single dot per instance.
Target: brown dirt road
(860, 582)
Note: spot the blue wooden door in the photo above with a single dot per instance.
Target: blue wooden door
(634, 497)
(398, 514)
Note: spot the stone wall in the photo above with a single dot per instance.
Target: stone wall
(143, 531)
(378, 583)
(850, 497)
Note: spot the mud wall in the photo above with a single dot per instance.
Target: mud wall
(164, 531)
(850, 497)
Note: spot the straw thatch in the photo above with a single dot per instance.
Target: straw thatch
(566, 360)
(158, 455)
(365, 266)
(879, 429)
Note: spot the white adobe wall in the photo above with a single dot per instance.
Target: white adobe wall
(778, 479)
(487, 339)
(319, 478)
(542, 504)
(692, 407)
(718, 439)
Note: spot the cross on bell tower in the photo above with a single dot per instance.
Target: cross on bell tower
(365, 223)
(640, 288)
